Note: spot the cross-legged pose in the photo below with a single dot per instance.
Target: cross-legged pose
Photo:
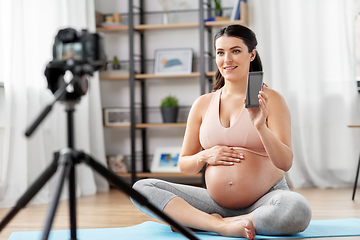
(246, 152)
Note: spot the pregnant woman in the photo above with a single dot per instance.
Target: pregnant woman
(246, 152)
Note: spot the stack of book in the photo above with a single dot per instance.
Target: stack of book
(235, 15)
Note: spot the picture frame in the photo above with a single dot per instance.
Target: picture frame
(173, 61)
(166, 160)
(117, 117)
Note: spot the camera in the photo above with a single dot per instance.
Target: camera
(82, 53)
(73, 48)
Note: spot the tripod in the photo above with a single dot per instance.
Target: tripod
(65, 161)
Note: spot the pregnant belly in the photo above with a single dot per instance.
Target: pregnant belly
(240, 185)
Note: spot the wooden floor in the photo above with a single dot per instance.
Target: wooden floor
(114, 209)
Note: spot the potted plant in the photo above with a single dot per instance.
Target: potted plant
(218, 8)
(169, 109)
(115, 63)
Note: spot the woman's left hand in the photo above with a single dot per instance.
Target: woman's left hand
(259, 115)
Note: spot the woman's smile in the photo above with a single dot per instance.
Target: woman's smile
(229, 68)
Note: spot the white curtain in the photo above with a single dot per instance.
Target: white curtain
(307, 49)
(27, 31)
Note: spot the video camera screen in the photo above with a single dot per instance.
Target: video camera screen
(67, 51)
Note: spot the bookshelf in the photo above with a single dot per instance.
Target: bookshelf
(203, 74)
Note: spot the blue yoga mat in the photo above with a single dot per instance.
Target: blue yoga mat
(156, 231)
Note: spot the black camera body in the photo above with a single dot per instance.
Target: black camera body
(76, 48)
(82, 53)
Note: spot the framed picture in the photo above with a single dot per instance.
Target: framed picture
(166, 159)
(116, 116)
(173, 61)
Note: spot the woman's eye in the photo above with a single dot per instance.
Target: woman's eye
(220, 53)
(236, 51)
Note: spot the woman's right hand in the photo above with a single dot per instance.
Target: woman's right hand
(221, 155)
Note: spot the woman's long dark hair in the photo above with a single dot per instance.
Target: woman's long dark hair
(250, 41)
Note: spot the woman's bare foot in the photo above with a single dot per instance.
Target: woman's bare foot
(238, 227)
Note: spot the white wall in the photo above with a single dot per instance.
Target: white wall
(116, 93)
(2, 119)
(2, 107)
(357, 37)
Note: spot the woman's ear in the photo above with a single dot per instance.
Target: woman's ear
(252, 55)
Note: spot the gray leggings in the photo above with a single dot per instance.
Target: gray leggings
(279, 212)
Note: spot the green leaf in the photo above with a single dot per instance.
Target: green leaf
(115, 60)
(169, 101)
(217, 4)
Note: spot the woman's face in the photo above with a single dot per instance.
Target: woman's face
(233, 57)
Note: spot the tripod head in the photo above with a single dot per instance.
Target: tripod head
(75, 76)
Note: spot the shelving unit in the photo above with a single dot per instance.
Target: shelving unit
(204, 29)
(124, 77)
(150, 76)
(113, 28)
(144, 27)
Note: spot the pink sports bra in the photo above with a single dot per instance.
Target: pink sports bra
(241, 134)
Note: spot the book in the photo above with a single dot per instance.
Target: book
(235, 10)
(236, 13)
(244, 12)
(217, 18)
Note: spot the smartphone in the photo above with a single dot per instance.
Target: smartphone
(254, 85)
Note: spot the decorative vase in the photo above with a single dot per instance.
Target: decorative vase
(169, 114)
(218, 12)
(116, 66)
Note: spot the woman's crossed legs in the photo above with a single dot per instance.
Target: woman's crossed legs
(278, 212)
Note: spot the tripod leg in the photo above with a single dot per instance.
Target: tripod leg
(65, 167)
(32, 190)
(72, 202)
(123, 186)
(356, 180)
